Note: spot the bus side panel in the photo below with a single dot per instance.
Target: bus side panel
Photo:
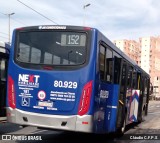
(106, 108)
(111, 108)
(134, 103)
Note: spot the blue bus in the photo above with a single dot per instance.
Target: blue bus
(4, 56)
(73, 78)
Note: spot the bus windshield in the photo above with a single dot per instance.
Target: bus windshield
(51, 47)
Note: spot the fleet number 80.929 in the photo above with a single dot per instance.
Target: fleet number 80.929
(65, 84)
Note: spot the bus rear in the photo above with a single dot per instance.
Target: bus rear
(51, 76)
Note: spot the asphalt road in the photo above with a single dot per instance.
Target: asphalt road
(136, 133)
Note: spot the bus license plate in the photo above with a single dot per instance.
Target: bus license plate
(45, 104)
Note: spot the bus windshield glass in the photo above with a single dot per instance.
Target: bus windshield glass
(51, 47)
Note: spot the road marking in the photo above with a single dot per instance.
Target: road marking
(35, 132)
(154, 113)
(151, 106)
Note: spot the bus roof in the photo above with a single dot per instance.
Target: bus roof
(54, 27)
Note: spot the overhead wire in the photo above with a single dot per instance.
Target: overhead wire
(4, 37)
(38, 12)
(23, 23)
(13, 19)
(18, 21)
(3, 33)
(2, 13)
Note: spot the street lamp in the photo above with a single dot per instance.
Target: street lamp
(9, 15)
(84, 7)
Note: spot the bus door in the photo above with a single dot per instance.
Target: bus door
(133, 95)
(121, 115)
(113, 92)
(129, 92)
(140, 87)
(3, 73)
(105, 111)
(146, 95)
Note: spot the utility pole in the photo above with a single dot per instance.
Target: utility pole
(9, 25)
(84, 7)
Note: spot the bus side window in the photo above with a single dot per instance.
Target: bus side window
(117, 68)
(134, 85)
(145, 86)
(102, 62)
(129, 81)
(106, 64)
(123, 77)
(109, 65)
(139, 81)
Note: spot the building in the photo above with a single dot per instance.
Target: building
(146, 53)
(150, 60)
(129, 47)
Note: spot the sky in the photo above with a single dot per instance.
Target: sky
(116, 19)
